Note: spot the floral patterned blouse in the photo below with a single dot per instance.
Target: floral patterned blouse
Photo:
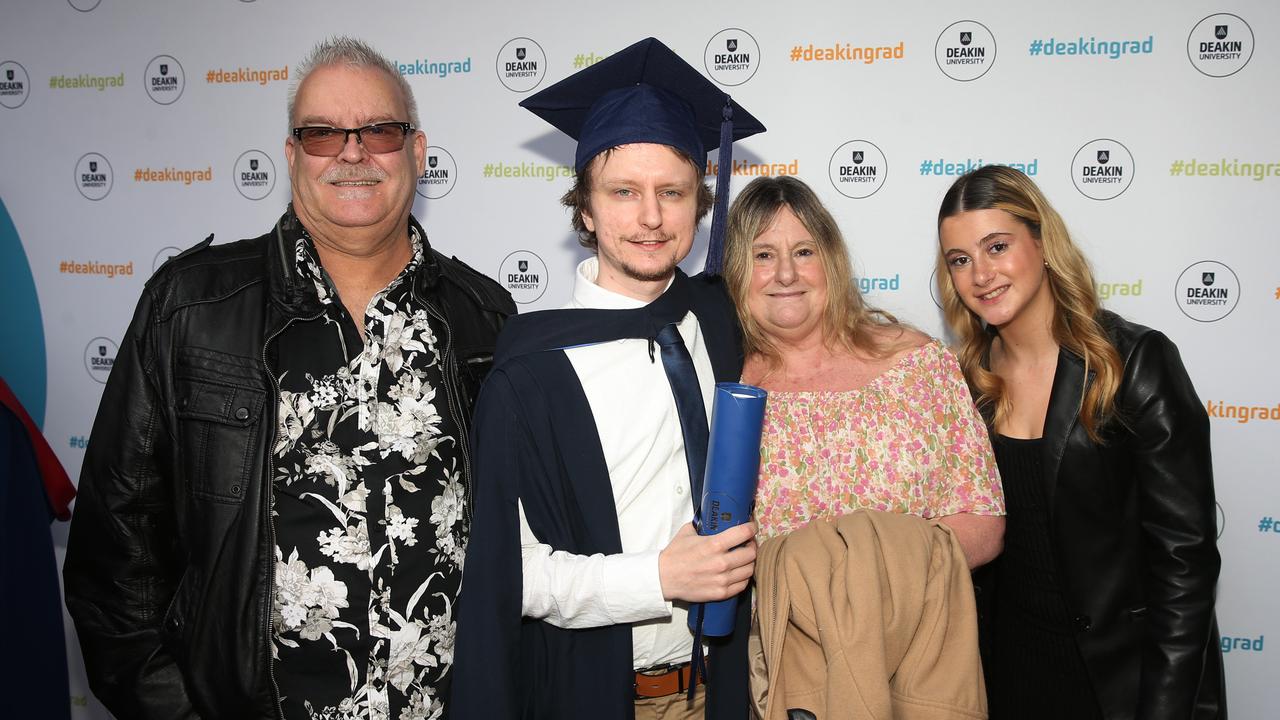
(909, 441)
(368, 509)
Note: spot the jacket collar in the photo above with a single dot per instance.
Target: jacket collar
(1069, 385)
(1061, 417)
(293, 295)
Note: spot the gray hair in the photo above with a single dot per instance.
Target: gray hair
(356, 54)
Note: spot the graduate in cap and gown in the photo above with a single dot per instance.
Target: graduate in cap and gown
(591, 430)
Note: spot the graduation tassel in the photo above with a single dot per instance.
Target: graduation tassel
(715, 249)
(697, 663)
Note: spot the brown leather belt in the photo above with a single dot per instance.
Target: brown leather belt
(662, 681)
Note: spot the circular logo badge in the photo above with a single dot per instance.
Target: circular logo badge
(15, 84)
(84, 5)
(1222, 519)
(521, 64)
(935, 293)
(732, 56)
(255, 174)
(99, 357)
(1207, 291)
(93, 176)
(1220, 45)
(164, 256)
(524, 275)
(965, 50)
(1102, 169)
(858, 169)
(164, 79)
(440, 176)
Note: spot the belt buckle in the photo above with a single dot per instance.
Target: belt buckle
(661, 681)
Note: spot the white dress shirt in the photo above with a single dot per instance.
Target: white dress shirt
(639, 428)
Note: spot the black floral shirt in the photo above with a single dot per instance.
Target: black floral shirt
(368, 509)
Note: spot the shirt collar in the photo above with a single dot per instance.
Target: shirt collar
(587, 294)
(309, 268)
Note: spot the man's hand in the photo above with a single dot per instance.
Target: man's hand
(694, 568)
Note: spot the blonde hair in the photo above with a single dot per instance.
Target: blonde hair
(1075, 299)
(847, 322)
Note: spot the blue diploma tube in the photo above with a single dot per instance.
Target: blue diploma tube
(729, 484)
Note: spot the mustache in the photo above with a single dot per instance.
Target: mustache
(649, 237)
(353, 172)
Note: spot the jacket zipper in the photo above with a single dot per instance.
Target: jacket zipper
(271, 522)
(452, 384)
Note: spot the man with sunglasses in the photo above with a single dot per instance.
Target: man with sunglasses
(274, 502)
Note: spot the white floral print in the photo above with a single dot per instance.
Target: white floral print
(366, 453)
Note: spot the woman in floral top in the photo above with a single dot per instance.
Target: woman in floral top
(863, 412)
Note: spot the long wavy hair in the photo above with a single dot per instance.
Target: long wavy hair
(1075, 298)
(847, 322)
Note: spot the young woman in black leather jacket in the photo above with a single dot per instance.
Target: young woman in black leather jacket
(1102, 604)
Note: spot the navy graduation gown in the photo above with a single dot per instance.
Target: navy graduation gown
(535, 440)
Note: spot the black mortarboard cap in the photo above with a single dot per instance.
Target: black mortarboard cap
(646, 93)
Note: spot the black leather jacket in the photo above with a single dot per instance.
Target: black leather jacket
(170, 560)
(1133, 527)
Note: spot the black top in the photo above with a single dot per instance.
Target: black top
(1034, 668)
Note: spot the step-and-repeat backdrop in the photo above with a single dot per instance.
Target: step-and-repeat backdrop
(131, 130)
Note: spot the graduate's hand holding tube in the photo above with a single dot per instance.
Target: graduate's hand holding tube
(729, 487)
(707, 568)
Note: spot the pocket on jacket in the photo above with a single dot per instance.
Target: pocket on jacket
(174, 623)
(219, 424)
